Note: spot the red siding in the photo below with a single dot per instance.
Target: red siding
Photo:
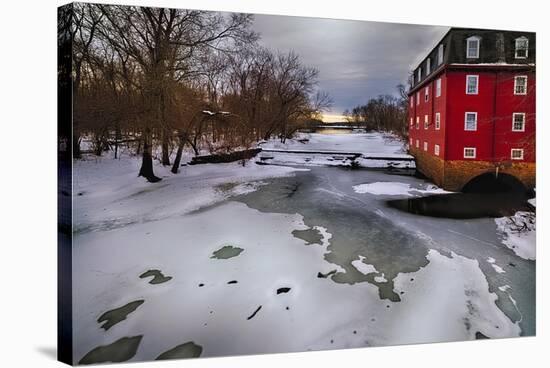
(429, 108)
(507, 104)
(494, 104)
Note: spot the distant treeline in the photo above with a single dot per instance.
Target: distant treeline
(383, 113)
(155, 78)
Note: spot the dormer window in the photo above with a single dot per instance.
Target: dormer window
(428, 66)
(522, 47)
(419, 74)
(440, 55)
(472, 47)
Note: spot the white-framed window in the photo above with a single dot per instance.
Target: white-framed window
(516, 154)
(440, 55)
(438, 87)
(472, 47)
(520, 85)
(412, 101)
(437, 121)
(411, 122)
(417, 144)
(522, 47)
(418, 98)
(425, 146)
(470, 121)
(426, 122)
(428, 66)
(436, 149)
(426, 94)
(518, 122)
(419, 74)
(410, 142)
(417, 122)
(472, 84)
(469, 152)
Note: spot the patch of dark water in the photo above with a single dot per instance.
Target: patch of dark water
(464, 205)
(119, 351)
(310, 236)
(157, 277)
(117, 315)
(183, 351)
(227, 252)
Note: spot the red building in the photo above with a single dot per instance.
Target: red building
(472, 108)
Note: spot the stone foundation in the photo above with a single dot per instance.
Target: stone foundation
(429, 165)
(453, 175)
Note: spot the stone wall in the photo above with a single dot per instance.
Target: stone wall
(429, 165)
(453, 175)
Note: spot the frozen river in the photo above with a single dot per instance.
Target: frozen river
(393, 241)
(223, 259)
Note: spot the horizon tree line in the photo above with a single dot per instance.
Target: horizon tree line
(382, 113)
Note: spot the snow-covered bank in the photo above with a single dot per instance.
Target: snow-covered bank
(519, 233)
(108, 193)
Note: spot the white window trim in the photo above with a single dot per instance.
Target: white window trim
(417, 98)
(468, 148)
(428, 66)
(417, 144)
(514, 121)
(516, 83)
(438, 87)
(426, 94)
(419, 74)
(412, 101)
(426, 122)
(437, 120)
(466, 121)
(516, 48)
(512, 154)
(436, 149)
(477, 83)
(440, 52)
(470, 39)
(417, 122)
(411, 122)
(425, 146)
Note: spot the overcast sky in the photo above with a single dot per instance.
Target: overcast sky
(356, 59)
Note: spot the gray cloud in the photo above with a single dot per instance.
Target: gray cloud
(356, 59)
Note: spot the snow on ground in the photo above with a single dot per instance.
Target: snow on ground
(108, 193)
(395, 188)
(447, 300)
(338, 150)
(519, 233)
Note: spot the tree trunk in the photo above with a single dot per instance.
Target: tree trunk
(117, 139)
(76, 147)
(165, 153)
(147, 163)
(177, 160)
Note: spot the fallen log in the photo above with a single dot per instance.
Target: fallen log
(225, 157)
